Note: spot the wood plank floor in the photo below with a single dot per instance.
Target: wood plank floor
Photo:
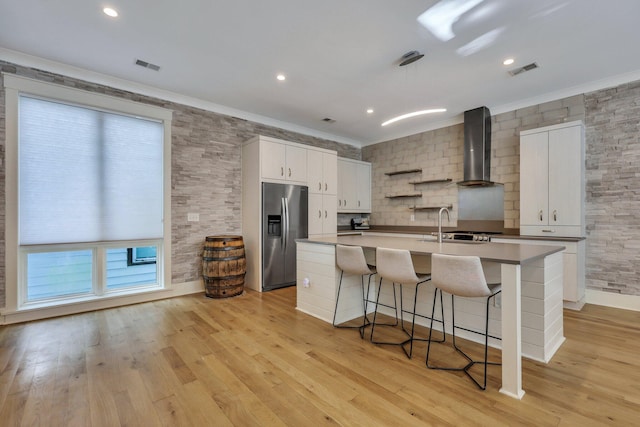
(253, 360)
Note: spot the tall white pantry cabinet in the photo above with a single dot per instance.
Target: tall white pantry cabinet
(552, 196)
(266, 159)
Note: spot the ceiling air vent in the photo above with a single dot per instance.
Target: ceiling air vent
(328, 120)
(148, 65)
(521, 70)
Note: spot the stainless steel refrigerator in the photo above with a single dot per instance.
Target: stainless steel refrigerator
(284, 219)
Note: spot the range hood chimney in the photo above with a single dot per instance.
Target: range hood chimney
(477, 147)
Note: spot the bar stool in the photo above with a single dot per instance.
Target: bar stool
(350, 260)
(395, 266)
(463, 276)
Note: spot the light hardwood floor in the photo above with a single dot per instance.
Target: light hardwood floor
(253, 360)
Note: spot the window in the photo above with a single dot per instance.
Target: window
(84, 229)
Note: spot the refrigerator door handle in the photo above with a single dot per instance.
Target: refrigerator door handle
(283, 231)
(286, 225)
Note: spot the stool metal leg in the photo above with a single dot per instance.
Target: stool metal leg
(375, 314)
(470, 361)
(365, 320)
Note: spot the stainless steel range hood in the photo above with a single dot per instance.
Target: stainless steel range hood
(477, 147)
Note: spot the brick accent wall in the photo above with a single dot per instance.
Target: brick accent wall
(613, 189)
(206, 170)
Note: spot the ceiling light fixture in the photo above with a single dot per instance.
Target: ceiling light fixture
(508, 61)
(410, 57)
(110, 12)
(281, 77)
(414, 114)
(370, 111)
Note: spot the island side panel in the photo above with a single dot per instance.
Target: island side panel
(316, 280)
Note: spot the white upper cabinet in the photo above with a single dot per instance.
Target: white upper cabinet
(552, 181)
(282, 161)
(322, 172)
(364, 186)
(354, 186)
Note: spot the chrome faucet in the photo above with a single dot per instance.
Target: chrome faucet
(440, 222)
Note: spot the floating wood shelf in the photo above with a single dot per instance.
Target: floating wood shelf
(399, 196)
(428, 208)
(430, 181)
(404, 171)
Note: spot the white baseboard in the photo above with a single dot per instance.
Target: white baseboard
(99, 304)
(627, 302)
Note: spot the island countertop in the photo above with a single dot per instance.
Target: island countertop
(505, 253)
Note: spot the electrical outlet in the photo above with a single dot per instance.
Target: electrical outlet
(412, 218)
(193, 217)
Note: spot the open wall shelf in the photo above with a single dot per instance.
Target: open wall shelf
(403, 172)
(429, 208)
(400, 196)
(430, 181)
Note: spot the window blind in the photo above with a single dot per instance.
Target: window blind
(87, 175)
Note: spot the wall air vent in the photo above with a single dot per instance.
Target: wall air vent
(148, 65)
(521, 70)
(328, 120)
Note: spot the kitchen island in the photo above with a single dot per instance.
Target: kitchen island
(528, 319)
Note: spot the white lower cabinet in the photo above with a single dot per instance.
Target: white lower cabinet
(323, 218)
(573, 258)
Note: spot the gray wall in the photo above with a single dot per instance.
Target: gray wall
(613, 189)
(612, 126)
(205, 177)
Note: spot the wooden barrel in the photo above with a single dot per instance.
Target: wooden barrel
(223, 266)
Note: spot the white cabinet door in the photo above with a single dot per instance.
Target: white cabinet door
(272, 160)
(322, 214)
(363, 172)
(552, 181)
(322, 172)
(315, 178)
(534, 179)
(330, 173)
(565, 168)
(354, 186)
(329, 214)
(347, 180)
(296, 164)
(283, 162)
(315, 214)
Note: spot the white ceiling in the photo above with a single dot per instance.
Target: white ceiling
(340, 56)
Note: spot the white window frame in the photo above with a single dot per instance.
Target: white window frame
(15, 286)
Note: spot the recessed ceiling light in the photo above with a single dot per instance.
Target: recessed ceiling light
(370, 111)
(110, 12)
(281, 77)
(508, 61)
(414, 114)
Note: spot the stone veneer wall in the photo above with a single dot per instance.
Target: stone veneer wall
(440, 155)
(613, 189)
(205, 176)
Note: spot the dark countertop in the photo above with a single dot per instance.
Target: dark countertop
(507, 233)
(507, 253)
